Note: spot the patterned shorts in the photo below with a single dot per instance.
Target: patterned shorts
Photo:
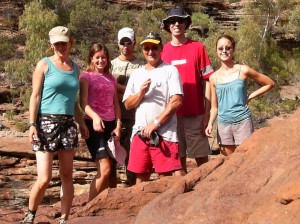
(56, 132)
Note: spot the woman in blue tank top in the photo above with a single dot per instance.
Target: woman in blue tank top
(52, 114)
(229, 99)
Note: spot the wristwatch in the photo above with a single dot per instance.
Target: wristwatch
(156, 122)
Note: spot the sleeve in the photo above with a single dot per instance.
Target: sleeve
(174, 82)
(85, 76)
(205, 65)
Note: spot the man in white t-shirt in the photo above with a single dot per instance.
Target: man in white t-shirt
(122, 67)
(155, 90)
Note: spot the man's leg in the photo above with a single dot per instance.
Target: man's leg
(141, 177)
(201, 160)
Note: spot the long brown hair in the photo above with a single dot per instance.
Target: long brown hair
(95, 48)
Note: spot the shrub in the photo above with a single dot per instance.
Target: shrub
(21, 126)
(288, 105)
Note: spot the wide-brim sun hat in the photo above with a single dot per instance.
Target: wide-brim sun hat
(59, 34)
(153, 38)
(176, 12)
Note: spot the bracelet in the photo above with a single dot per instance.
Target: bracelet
(156, 122)
(32, 124)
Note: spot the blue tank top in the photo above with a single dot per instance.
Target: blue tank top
(232, 101)
(59, 90)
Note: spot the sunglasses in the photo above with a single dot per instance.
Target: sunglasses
(123, 43)
(178, 20)
(224, 48)
(152, 48)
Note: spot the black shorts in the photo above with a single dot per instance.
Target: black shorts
(56, 132)
(97, 142)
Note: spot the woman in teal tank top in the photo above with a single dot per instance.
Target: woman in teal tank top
(52, 114)
(229, 99)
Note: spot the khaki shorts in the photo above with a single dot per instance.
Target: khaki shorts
(234, 134)
(192, 142)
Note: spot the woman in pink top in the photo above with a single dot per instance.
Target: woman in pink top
(99, 100)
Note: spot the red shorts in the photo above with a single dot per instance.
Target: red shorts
(143, 156)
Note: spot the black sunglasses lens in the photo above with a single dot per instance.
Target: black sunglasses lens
(148, 48)
(176, 20)
(126, 43)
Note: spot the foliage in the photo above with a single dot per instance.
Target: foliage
(289, 105)
(6, 49)
(21, 126)
(18, 72)
(9, 115)
(36, 23)
(294, 20)
(25, 97)
(248, 43)
(94, 21)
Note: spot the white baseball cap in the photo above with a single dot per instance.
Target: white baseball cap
(126, 32)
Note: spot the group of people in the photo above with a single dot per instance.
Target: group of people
(162, 110)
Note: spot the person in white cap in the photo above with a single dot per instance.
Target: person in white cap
(52, 109)
(192, 61)
(122, 67)
(155, 91)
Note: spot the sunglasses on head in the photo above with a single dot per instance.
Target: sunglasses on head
(127, 43)
(178, 20)
(152, 48)
(227, 48)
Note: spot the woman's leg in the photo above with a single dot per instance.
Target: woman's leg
(100, 181)
(66, 174)
(44, 175)
(226, 150)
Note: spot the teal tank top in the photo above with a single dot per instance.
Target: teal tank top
(232, 101)
(59, 90)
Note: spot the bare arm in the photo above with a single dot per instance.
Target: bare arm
(79, 118)
(207, 104)
(214, 107)
(260, 78)
(121, 89)
(171, 108)
(98, 124)
(35, 98)
(134, 101)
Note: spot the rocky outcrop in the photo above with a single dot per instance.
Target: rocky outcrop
(259, 183)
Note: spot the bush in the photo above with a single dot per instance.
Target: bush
(288, 106)
(18, 72)
(21, 126)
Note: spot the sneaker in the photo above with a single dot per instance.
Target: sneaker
(62, 220)
(29, 217)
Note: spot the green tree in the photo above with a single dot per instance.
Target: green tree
(294, 21)
(36, 21)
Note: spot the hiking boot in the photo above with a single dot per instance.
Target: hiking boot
(62, 220)
(29, 217)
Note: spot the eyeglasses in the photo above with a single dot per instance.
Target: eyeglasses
(227, 48)
(152, 48)
(178, 20)
(123, 43)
